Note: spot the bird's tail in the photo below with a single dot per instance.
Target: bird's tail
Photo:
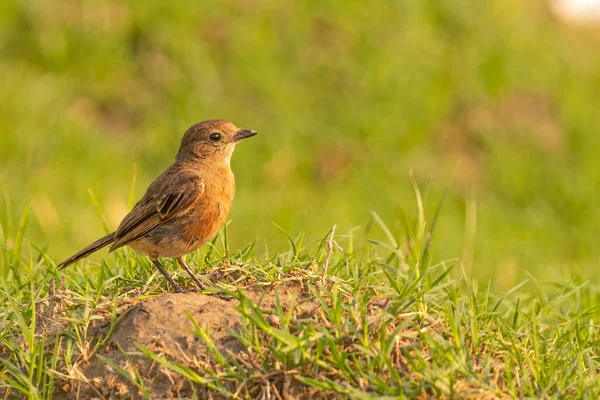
(97, 245)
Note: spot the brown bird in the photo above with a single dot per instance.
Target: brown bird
(186, 205)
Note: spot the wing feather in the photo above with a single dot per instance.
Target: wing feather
(169, 202)
(167, 197)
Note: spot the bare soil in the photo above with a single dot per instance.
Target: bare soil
(161, 325)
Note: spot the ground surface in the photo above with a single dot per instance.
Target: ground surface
(369, 320)
(163, 324)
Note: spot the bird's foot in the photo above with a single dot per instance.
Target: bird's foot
(200, 285)
(181, 261)
(179, 289)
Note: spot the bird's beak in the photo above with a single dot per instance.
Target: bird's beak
(243, 134)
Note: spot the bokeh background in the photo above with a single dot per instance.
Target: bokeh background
(497, 100)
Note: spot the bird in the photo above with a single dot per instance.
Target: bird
(183, 207)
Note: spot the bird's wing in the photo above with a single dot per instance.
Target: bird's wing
(164, 200)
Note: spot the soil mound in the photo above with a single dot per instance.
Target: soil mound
(162, 325)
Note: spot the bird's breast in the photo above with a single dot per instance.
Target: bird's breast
(210, 214)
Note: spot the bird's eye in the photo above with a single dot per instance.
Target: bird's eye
(215, 137)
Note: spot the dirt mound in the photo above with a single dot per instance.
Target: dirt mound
(162, 325)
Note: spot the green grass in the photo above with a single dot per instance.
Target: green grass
(347, 98)
(389, 322)
(493, 105)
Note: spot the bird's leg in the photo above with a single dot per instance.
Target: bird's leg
(181, 261)
(175, 285)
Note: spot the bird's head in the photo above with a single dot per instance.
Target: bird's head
(211, 141)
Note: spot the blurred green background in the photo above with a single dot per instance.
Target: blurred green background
(499, 97)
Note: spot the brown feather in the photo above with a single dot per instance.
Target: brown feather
(97, 245)
(175, 192)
